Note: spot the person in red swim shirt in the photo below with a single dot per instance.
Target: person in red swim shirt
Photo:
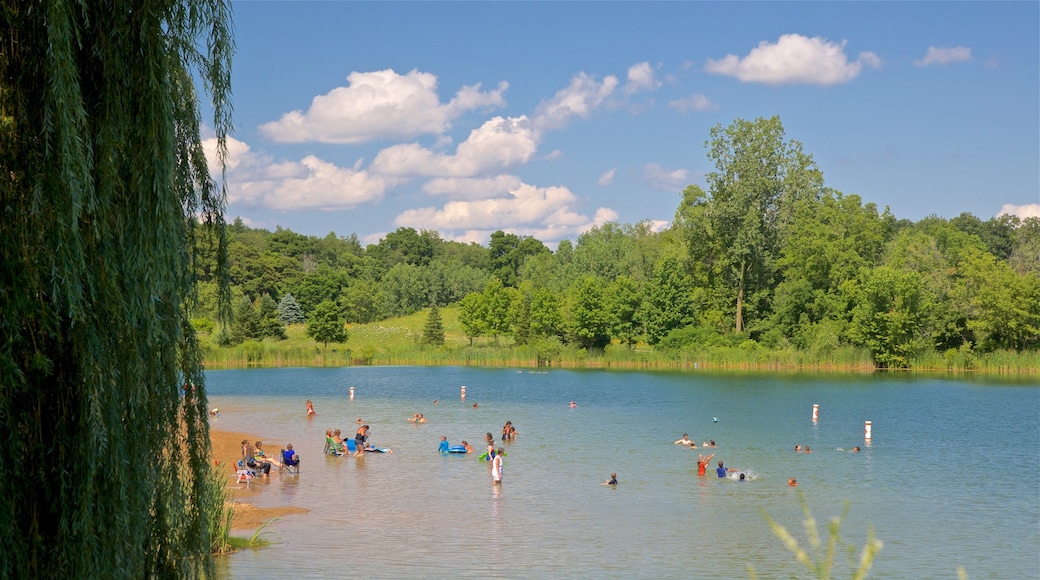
(702, 463)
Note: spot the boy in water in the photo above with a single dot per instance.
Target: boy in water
(612, 481)
(722, 471)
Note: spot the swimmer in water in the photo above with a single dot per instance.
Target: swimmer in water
(310, 409)
(686, 441)
(612, 480)
(792, 482)
(702, 463)
(573, 405)
(855, 449)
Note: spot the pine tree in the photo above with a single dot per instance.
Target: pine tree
(289, 311)
(433, 330)
(103, 181)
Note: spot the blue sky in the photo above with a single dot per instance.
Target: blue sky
(547, 118)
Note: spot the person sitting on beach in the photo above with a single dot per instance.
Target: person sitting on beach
(723, 471)
(249, 457)
(443, 447)
(261, 456)
(289, 456)
(612, 480)
(338, 443)
(686, 441)
(310, 408)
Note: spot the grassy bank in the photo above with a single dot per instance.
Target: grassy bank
(396, 342)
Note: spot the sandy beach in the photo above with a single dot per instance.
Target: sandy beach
(227, 450)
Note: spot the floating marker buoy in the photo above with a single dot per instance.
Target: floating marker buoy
(714, 419)
(351, 393)
(463, 391)
(866, 430)
(815, 412)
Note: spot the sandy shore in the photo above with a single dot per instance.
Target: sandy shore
(227, 449)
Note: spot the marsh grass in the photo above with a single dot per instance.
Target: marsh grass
(398, 342)
(257, 540)
(818, 559)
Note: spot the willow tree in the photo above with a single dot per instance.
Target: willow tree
(105, 197)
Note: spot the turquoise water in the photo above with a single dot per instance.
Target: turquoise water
(950, 478)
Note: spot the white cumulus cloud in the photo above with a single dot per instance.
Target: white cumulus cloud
(547, 213)
(379, 104)
(468, 188)
(694, 102)
(499, 143)
(257, 180)
(662, 179)
(641, 78)
(607, 178)
(1029, 210)
(793, 59)
(583, 96)
(940, 55)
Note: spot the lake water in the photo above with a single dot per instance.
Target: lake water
(951, 476)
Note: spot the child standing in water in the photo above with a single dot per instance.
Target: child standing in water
(496, 467)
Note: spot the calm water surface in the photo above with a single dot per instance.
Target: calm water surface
(950, 478)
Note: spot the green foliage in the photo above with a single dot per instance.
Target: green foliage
(588, 321)
(108, 210)
(433, 330)
(889, 316)
(326, 325)
(667, 301)
(819, 561)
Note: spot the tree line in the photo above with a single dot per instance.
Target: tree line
(768, 256)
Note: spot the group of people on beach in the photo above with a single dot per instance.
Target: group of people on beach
(338, 444)
(254, 457)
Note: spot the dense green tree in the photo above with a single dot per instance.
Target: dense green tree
(890, 315)
(325, 324)
(405, 246)
(758, 179)
(363, 301)
(473, 315)
(433, 329)
(604, 251)
(322, 284)
(507, 254)
(520, 315)
(246, 322)
(1025, 247)
(289, 311)
(103, 181)
(498, 302)
(588, 322)
(546, 314)
(270, 325)
(624, 302)
(667, 300)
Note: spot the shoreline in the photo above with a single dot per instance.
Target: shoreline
(226, 450)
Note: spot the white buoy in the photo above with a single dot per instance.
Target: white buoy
(463, 392)
(351, 393)
(815, 412)
(866, 430)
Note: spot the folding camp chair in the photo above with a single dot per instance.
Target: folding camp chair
(290, 468)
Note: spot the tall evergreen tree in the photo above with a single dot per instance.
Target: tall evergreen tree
(433, 330)
(106, 469)
(289, 311)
